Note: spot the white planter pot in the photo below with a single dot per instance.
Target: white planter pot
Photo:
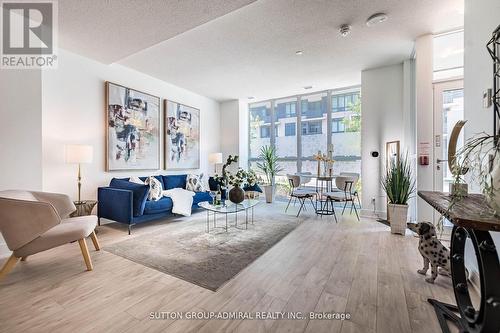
(270, 191)
(494, 199)
(397, 215)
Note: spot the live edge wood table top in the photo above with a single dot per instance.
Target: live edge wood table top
(469, 212)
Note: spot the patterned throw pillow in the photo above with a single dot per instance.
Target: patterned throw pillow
(155, 188)
(195, 183)
(136, 180)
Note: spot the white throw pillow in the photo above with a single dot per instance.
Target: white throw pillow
(155, 188)
(136, 180)
(195, 183)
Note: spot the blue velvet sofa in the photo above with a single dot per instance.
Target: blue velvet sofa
(126, 202)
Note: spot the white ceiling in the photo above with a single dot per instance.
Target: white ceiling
(109, 30)
(251, 51)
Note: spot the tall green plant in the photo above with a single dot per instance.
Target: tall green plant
(269, 165)
(398, 182)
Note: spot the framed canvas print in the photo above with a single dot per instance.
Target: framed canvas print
(182, 136)
(391, 152)
(132, 129)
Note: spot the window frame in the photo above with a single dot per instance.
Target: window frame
(354, 93)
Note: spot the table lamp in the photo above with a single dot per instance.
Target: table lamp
(215, 158)
(79, 154)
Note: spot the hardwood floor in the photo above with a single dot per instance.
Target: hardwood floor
(353, 267)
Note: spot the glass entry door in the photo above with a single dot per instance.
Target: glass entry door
(448, 109)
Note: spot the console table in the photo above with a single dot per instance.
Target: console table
(472, 219)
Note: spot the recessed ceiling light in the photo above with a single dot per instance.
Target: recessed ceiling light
(376, 19)
(308, 87)
(299, 52)
(344, 30)
(250, 97)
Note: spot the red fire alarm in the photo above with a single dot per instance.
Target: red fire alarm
(423, 154)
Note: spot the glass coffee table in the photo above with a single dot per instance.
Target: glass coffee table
(229, 208)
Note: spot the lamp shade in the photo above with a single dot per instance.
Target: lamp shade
(215, 158)
(79, 154)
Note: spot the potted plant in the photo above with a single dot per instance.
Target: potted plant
(236, 194)
(270, 168)
(399, 185)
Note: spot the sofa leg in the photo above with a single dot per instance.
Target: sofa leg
(129, 227)
(98, 221)
(85, 253)
(8, 266)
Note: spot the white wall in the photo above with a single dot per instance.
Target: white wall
(73, 112)
(425, 122)
(234, 130)
(20, 129)
(20, 132)
(481, 18)
(229, 122)
(382, 121)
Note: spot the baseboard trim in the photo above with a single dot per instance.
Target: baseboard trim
(374, 215)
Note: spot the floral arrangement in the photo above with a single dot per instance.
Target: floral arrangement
(238, 178)
(252, 178)
(223, 178)
(322, 158)
(327, 161)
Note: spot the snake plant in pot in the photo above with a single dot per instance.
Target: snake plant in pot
(270, 168)
(399, 184)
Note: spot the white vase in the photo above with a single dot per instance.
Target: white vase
(270, 191)
(493, 199)
(397, 215)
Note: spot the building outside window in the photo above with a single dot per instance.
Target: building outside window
(344, 108)
(290, 129)
(338, 125)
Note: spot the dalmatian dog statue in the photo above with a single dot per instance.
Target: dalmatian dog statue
(431, 249)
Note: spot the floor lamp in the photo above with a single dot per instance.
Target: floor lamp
(79, 154)
(215, 158)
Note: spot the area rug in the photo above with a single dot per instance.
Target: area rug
(185, 250)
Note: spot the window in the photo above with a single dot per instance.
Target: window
(344, 102)
(259, 130)
(448, 55)
(344, 108)
(286, 140)
(290, 129)
(338, 125)
(286, 109)
(311, 127)
(265, 132)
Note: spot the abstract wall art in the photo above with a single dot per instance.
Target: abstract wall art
(182, 136)
(132, 129)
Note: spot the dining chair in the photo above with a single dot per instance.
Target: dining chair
(345, 184)
(355, 177)
(299, 193)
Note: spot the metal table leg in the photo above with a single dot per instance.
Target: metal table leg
(464, 315)
(208, 220)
